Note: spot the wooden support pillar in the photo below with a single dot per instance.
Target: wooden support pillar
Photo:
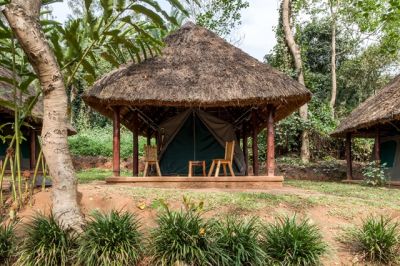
(349, 159)
(135, 135)
(377, 147)
(270, 153)
(246, 153)
(148, 139)
(116, 141)
(32, 157)
(255, 143)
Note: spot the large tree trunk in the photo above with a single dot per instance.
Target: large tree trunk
(295, 51)
(23, 17)
(333, 59)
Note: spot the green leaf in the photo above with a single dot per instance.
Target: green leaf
(109, 58)
(88, 3)
(149, 14)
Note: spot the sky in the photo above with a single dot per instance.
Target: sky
(255, 36)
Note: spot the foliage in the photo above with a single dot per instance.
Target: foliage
(46, 243)
(110, 239)
(183, 238)
(238, 239)
(377, 239)
(374, 174)
(7, 243)
(289, 242)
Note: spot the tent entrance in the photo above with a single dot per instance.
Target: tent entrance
(192, 140)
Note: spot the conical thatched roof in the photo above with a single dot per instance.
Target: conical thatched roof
(198, 69)
(381, 110)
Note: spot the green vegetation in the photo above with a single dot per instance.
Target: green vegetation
(377, 240)
(292, 242)
(374, 174)
(7, 243)
(96, 174)
(110, 239)
(45, 243)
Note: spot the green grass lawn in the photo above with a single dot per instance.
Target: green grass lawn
(96, 174)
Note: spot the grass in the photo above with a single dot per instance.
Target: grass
(97, 174)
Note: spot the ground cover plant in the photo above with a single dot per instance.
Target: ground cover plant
(7, 243)
(110, 239)
(374, 174)
(292, 242)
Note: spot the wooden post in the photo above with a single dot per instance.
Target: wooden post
(32, 159)
(135, 134)
(349, 158)
(246, 153)
(255, 143)
(377, 147)
(148, 139)
(270, 153)
(116, 141)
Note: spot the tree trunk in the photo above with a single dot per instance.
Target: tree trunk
(333, 60)
(23, 17)
(295, 51)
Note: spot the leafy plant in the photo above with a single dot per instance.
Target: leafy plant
(374, 174)
(182, 238)
(46, 243)
(289, 242)
(110, 239)
(7, 243)
(377, 240)
(238, 240)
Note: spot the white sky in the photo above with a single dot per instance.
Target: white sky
(256, 33)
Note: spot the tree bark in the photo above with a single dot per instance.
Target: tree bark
(295, 51)
(23, 18)
(333, 59)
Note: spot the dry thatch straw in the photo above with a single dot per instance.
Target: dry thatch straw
(379, 110)
(198, 69)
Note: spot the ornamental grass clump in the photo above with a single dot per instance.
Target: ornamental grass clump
(110, 239)
(378, 240)
(182, 238)
(292, 242)
(238, 240)
(7, 243)
(46, 243)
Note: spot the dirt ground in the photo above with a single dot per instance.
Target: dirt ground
(332, 213)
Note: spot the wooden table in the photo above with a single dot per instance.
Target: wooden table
(197, 163)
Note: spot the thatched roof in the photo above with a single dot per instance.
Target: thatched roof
(6, 93)
(198, 69)
(381, 110)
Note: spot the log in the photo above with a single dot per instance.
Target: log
(255, 143)
(349, 159)
(270, 158)
(116, 141)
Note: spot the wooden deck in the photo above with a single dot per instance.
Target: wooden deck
(238, 182)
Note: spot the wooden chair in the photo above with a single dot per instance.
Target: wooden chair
(227, 161)
(150, 153)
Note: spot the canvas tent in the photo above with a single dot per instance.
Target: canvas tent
(196, 135)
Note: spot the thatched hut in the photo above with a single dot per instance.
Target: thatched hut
(200, 75)
(378, 117)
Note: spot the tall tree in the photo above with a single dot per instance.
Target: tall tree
(296, 54)
(332, 7)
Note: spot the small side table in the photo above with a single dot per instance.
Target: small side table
(197, 163)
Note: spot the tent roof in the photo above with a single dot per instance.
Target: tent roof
(197, 68)
(379, 109)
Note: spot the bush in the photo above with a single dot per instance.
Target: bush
(110, 239)
(182, 238)
(46, 243)
(7, 243)
(377, 240)
(288, 242)
(238, 240)
(374, 174)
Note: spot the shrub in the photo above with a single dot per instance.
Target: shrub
(182, 238)
(377, 240)
(110, 239)
(374, 174)
(288, 242)
(238, 240)
(7, 243)
(46, 243)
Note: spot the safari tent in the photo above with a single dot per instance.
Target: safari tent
(379, 118)
(199, 93)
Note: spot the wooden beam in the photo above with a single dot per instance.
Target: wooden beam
(377, 146)
(116, 141)
(135, 135)
(255, 143)
(349, 159)
(246, 152)
(32, 157)
(270, 158)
